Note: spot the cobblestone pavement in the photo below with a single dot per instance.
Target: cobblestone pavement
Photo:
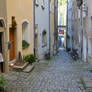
(60, 74)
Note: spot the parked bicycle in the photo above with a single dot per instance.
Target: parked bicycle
(74, 54)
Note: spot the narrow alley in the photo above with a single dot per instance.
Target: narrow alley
(60, 74)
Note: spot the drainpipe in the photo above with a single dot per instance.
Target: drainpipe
(67, 27)
(81, 32)
(54, 27)
(34, 26)
(49, 28)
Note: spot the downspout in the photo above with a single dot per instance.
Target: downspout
(34, 26)
(81, 33)
(54, 27)
(49, 28)
(67, 27)
(6, 42)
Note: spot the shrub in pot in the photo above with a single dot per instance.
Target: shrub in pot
(2, 83)
(29, 58)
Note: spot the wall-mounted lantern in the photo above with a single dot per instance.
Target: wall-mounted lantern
(14, 24)
(79, 3)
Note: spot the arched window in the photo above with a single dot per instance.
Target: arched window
(2, 23)
(44, 38)
(25, 31)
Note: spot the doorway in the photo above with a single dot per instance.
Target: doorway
(36, 45)
(0, 42)
(1, 53)
(12, 42)
(36, 40)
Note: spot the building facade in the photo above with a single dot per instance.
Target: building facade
(27, 27)
(42, 29)
(3, 37)
(87, 30)
(16, 21)
(81, 25)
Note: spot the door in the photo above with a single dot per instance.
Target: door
(0, 42)
(36, 45)
(12, 42)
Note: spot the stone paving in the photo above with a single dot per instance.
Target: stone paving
(60, 74)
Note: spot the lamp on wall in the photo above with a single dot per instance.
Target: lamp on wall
(79, 3)
(14, 24)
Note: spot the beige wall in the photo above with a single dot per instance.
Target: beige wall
(22, 10)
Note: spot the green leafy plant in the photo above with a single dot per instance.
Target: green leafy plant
(83, 83)
(29, 58)
(2, 81)
(25, 44)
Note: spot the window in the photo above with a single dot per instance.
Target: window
(37, 2)
(44, 39)
(43, 4)
(36, 29)
(25, 32)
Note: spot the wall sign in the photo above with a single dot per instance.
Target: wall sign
(9, 45)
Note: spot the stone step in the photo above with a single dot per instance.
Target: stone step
(29, 68)
(21, 67)
(88, 82)
(25, 89)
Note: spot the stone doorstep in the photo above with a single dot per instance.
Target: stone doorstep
(86, 79)
(88, 82)
(20, 67)
(29, 68)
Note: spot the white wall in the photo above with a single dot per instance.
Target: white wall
(42, 19)
(69, 31)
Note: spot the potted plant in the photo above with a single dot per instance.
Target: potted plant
(29, 58)
(2, 83)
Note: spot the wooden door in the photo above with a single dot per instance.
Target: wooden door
(12, 42)
(36, 45)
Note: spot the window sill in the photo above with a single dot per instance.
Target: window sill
(44, 45)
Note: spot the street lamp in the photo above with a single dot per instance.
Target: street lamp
(79, 3)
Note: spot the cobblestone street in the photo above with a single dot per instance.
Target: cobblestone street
(60, 74)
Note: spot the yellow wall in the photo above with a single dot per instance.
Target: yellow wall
(21, 9)
(52, 27)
